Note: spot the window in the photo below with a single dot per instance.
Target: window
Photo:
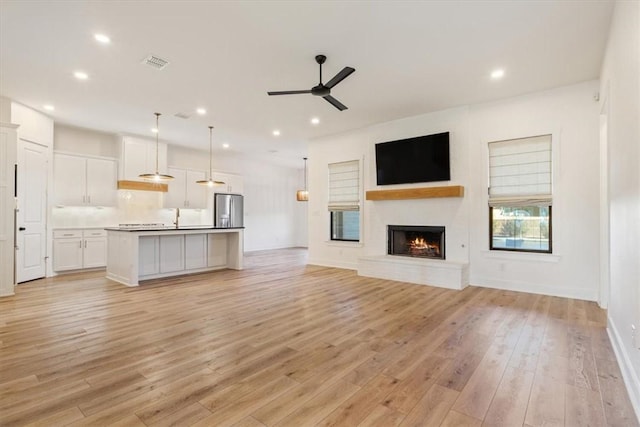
(344, 200)
(520, 194)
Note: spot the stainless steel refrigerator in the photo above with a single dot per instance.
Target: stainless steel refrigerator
(228, 210)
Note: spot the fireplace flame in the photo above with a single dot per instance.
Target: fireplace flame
(420, 246)
(421, 243)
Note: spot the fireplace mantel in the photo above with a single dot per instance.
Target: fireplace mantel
(416, 193)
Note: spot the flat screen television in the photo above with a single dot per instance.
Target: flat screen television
(419, 159)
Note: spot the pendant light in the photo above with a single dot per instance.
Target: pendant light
(156, 176)
(210, 182)
(303, 195)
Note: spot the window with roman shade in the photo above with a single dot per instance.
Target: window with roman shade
(344, 200)
(520, 194)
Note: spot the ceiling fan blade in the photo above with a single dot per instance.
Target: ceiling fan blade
(346, 72)
(289, 92)
(339, 105)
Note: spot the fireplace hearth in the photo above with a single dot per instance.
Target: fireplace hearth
(416, 241)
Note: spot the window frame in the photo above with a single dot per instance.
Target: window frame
(331, 219)
(350, 206)
(520, 200)
(536, 251)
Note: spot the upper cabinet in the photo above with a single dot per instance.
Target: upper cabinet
(232, 183)
(183, 190)
(84, 181)
(138, 156)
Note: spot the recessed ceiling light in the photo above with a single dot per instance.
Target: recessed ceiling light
(276, 132)
(102, 38)
(48, 107)
(497, 74)
(81, 75)
(225, 145)
(201, 111)
(315, 121)
(154, 130)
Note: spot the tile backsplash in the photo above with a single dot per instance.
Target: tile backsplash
(135, 207)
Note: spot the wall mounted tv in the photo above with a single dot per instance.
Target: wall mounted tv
(419, 159)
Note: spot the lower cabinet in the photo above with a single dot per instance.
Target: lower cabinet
(159, 255)
(78, 249)
(217, 250)
(195, 251)
(149, 255)
(171, 253)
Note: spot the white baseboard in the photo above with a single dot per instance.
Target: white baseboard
(7, 294)
(629, 375)
(532, 288)
(333, 263)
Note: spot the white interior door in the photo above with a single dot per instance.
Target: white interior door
(32, 211)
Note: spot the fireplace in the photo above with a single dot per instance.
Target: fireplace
(416, 241)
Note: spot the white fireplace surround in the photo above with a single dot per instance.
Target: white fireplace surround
(421, 271)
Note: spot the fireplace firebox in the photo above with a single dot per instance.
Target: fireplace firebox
(416, 241)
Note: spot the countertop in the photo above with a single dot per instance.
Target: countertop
(172, 228)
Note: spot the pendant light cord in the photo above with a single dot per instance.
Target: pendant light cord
(210, 153)
(305, 174)
(157, 141)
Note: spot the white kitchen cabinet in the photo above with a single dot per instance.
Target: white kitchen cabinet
(183, 190)
(171, 253)
(153, 253)
(232, 183)
(149, 255)
(67, 250)
(83, 181)
(195, 251)
(138, 156)
(217, 250)
(78, 249)
(102, 187)
(94, 252)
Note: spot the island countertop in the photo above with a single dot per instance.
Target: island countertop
(172, 228)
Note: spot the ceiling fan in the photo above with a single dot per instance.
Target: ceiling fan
(323, 90)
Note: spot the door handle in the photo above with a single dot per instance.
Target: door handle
(21, 228)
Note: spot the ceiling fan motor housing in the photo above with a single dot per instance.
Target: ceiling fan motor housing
(320, 90)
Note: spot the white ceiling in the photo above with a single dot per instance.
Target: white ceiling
(410, 58)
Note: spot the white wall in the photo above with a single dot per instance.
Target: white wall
(5, 110)
(85, 141)
(620, 93)
(375, 216)
(273, 219)
(569, 113)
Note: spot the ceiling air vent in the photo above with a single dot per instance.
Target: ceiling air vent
(183, 115)
(155, 62)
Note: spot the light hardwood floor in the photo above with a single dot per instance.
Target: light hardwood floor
(284, 344)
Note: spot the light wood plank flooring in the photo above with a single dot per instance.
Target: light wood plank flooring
(284, 344)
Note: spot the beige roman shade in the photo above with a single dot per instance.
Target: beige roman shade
(520, 172)
(344, 186)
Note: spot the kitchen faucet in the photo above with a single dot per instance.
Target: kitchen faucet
(177, 221)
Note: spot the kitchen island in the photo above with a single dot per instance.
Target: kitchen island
(135, 254)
